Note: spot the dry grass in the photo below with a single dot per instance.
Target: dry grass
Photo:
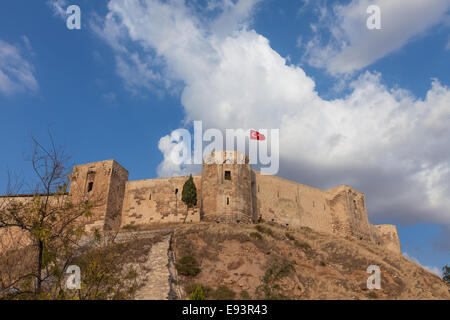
(287, 263)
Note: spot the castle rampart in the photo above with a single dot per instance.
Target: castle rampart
(228, 190)
(156, 201)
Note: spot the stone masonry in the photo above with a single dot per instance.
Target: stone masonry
(228, 190)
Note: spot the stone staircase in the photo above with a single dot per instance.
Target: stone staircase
(157, 283)
(157, 271)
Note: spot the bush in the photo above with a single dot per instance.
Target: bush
(289, 236)
(202, 292)
(130, 227)
(265, 230)
(302, 244)
(192, 286)
(245, 295)
(372, 295)
(187, 266)
(197, 294)
(223, 293)
(278, 270)
(267, 292)
(256, 235)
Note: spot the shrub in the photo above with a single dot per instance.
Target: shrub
(202, 292)
(256, 235)
(289, 236)
(130, 227)
(197, 294)
(278, 270)
(245, 295)
(267, 292)
(192, 286)
(265, 230)
(187, 266)
(223, 293)
(372, 295)
(302, 244)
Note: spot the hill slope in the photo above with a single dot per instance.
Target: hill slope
(267, 261)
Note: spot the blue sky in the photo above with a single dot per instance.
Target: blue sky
(136, 72)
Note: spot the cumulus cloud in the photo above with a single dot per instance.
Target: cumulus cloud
(172, 147)
(16, 74)
(344, 44)
(167, 168)
(385, 142)
(432, 269)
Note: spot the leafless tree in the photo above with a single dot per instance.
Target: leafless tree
(43, 224)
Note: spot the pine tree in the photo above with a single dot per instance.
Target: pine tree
(189, 194)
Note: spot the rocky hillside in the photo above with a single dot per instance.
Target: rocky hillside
(266, 261)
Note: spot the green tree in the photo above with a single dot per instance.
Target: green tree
(446, 273)
(189, 194)
(197, 294)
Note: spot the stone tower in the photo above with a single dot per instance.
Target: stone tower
(226, 187)
(103, 184)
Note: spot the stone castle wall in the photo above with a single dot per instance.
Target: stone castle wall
(291, 204)
(157, 201)
(228, 190)
(13, 237)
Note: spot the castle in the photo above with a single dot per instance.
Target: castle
(228, 191)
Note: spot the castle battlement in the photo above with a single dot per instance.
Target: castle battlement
(228, 190)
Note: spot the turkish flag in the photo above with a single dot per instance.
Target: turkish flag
(255, 135)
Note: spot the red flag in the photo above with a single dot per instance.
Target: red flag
(255, 135)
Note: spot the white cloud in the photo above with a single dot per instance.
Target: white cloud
(58, 7)
(168, 168)
(27, 44)
(432, 269)
(388, 143)
(16, 74)
(447, 47)
(234, 16)
(353, 46)
(299, 41)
